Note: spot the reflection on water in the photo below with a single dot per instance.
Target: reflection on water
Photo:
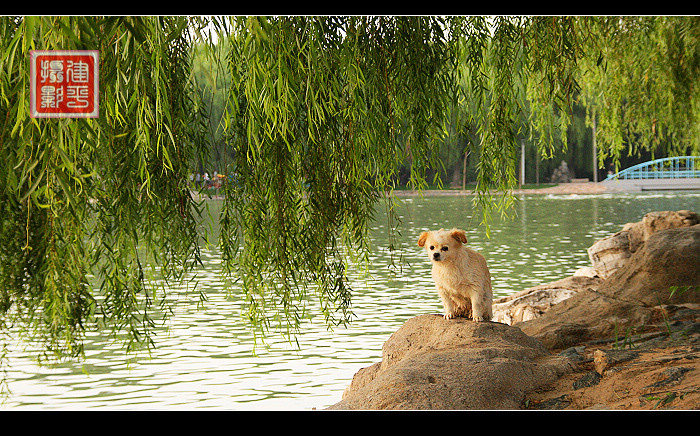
(206, 358)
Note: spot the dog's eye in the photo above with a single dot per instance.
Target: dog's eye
(432, 248)
(444, 248)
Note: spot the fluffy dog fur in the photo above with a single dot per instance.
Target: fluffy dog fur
(462, 278)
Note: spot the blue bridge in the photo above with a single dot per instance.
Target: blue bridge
(671, 173)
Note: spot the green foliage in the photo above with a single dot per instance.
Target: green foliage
(209, 73)
(637, 76)
(325, 110)
(640, 81)
(88, 204)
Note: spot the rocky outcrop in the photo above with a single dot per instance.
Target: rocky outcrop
(533, 302)
(664, 270)
(559, 356)
(611, 253)
(607, 256)
(658, 369)
(433, 363)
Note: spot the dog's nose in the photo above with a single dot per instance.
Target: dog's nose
(436, 256)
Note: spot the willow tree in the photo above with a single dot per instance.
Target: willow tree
(97, 215)
(95, 212)
(641, 85)
(325, 108)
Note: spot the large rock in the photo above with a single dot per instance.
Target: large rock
(607, 256)
(433, 363)
(664, 270)
(656, 221)
(533, 302)
(611, 253)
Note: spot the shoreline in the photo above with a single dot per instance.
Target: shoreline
(578, 188)
(572, 188)
(582, 188)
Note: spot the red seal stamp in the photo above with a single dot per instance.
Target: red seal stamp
(64, 83)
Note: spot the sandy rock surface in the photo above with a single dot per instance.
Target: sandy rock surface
(433, 363)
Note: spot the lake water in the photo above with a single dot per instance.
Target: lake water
(206, 357)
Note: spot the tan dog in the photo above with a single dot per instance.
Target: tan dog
(462, 278)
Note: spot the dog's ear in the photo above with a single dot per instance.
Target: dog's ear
(459, 235)
(421, 239)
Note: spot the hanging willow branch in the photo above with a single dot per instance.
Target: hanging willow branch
(91, 207)
(329, 107)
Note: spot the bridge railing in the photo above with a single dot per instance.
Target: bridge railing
(681, 167)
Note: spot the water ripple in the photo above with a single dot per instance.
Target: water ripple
(207, 358)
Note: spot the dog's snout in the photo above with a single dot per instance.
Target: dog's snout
(436, 256)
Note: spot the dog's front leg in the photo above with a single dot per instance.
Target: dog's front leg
(480, 309)
(448, 305)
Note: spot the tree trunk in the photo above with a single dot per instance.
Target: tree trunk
(464, 170)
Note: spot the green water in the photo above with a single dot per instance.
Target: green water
(205, 357)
